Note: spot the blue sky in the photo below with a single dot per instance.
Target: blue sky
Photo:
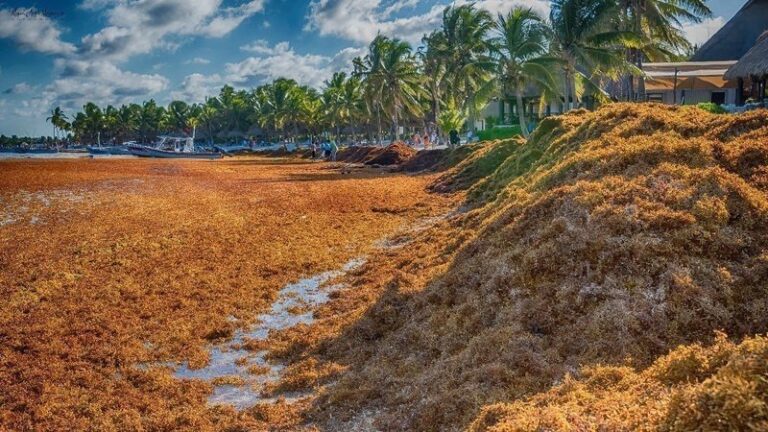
(119, 51)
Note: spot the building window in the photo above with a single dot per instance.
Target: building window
(655, 97)
(718, 98)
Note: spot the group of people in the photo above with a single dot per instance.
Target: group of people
(329, 148)
(427, 140)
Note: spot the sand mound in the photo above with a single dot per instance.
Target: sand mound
(609, 238)
(393, 154)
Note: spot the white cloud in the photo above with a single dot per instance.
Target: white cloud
(20, 88)
(260, 46)
(282, 61)
(361, 20)
(196, 87)
(700, 33)
(138, 27)
(98, 81)
(31, 30)
(198, 61)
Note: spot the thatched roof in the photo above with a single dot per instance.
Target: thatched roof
(754, 63)
(738, 35)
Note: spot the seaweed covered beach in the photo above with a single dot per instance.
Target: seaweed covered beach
(608, 273)
(113, 270)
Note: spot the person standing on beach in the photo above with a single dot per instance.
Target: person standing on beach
(313, 146)
(334, 150)
(325, 148)
(454, 138)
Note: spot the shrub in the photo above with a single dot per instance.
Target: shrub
(499, 133)
(712, 108)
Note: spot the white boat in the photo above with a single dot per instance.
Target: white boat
(172, 148)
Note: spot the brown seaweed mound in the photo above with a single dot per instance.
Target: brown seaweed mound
(609, 238)
(394, 154)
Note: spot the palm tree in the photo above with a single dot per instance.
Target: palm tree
(111, 121)
(659, 24)
(234, 109)
(435, 67)
(312, 113)
(150, 119)
(278, 104)
(177, 116)
(126, 123)
(392, 79)
(93, 121)
(584, 38)
(57, 119)
(343, 99)
(521, 48)
(450, 119)
(463, 46)
(206, 115)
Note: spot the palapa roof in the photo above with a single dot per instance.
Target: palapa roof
(754, 63)
(738, 35)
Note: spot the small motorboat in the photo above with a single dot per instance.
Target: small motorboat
(109, 150)
(232, 149)
(172, 148)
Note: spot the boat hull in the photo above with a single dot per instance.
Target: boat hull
(164, 154)
(113, 150)
(26, 150)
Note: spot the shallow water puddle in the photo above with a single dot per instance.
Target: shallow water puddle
(230, 361)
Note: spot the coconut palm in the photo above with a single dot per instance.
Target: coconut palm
(234, 110)
(278, 105)
(57, 120)
(585, 38)
(659, 24)
(312, 113)
(393, 79)
(450, 119)
(125, 125)
(462, 43)
(93, 121)
(521, 47)
(177, 117)
(205, 115)
(149, 119)
(435, 67)
(343, 99)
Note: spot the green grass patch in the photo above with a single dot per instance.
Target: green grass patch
(500, 133)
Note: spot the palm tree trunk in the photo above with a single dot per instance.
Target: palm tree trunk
(641, 78)
(521, 112)
(567, 90)
(378, 119)
(396, 122)
(396, 118)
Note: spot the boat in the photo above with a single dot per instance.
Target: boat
(110, 150)
(33, 149)
(231, 149)
(172, 148)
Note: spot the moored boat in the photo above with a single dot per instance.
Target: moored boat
(109, 150)
(172, 148)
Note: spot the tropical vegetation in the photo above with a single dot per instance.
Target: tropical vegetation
(584, 53)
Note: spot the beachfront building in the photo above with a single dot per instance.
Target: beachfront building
(737, 36)
(686, 83)
(703, 78)
(752, 68)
